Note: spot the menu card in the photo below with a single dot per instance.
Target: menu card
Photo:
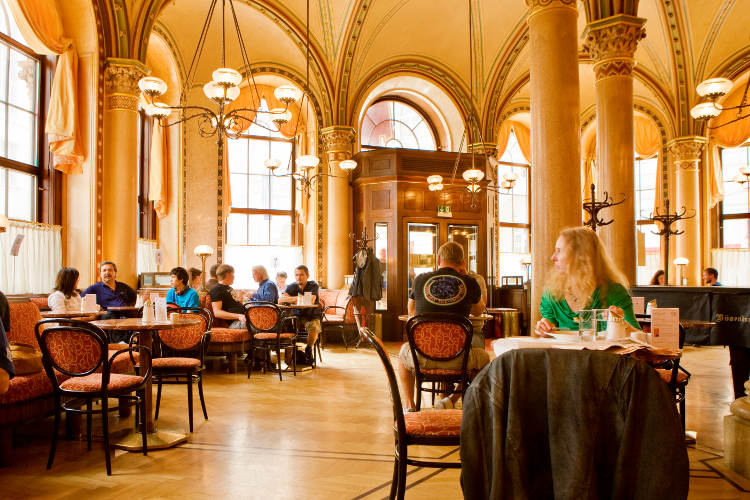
(88, 304)
(665, 327)
(639, 305)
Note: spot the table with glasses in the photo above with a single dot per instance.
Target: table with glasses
(157, 439)
(73, 314)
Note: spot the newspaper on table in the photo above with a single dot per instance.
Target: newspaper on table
(621, 346)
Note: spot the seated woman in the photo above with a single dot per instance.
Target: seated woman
(65, 296)
(583, 277)
(658, 278)
(196, 278)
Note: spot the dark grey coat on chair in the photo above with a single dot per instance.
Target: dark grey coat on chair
(565, 424)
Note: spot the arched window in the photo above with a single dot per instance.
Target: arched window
(394, 123)
(648, 247)
(20, 122)
(513, 211)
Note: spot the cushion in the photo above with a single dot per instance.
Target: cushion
(333, 318)
(93, 382)
(27, 387)
(666, 375)
(23, 318)
(263, 318)
(73, 351)
(222, 335)
(175, 363)
(122, 363)
(272, 336)
(433, 423)
(439, 339)
(41, 302)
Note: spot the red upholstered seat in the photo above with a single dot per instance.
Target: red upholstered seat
(27, 387)
(666, 375)
(41, 302)
(271, 335)
(23, 319)
(93, 382)
(221, 335)
(433, 423)
(175, 363)
(122, 363)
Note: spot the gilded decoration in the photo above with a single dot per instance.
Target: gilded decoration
(337, 142)
(537, 5)
(686, 151)
(121, 84)
(611, 43)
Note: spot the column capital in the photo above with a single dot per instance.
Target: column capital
(537, 5)
(686, 151)
(337, 142)
(121, 83)
(611, 43)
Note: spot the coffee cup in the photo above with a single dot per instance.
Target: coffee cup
(174, 317)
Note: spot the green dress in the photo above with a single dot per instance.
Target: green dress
(558, 311)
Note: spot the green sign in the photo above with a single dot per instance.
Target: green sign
(444, 211)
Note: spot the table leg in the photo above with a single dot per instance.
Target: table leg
(156, 439)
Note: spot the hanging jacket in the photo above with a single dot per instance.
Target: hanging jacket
(368, 282)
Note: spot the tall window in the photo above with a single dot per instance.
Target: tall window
(649, 245)
(735, 207)
(260, 229)
(396, 124)
(20, 124)
(513, 210)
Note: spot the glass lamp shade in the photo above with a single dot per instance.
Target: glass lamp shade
(434, 179)
(287, 94)
(217, 93)
(435, 186)
(681, 261)
(741, 178)
(473, 175)
(152, 86)
(307, 162)
(227, 77)
(705, 111)
(272, 163)
(510, 176)
(280, 116)
(347, 165)
(203, 250)
(474, 187)
(158, 110)
(506, 184)
(713, 88)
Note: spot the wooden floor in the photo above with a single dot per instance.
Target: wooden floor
(324, 434)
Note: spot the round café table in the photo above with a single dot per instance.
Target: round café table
(472, 317)
(72, 315)
(156, 439)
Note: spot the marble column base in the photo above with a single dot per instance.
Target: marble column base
(737, 437)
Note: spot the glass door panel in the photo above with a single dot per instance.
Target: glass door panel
(381, 252)
(422, 242)
(467, 236)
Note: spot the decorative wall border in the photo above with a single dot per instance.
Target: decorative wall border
(99, 163)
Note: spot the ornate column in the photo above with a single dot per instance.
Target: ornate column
(337, 145)
(119, 222)
(685, 154)
(611, 43)
(737, 435)
(555, 143)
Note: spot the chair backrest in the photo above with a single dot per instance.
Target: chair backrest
(263, 317)
(185, 338)
(439, 336)
(23, 317)
(354, 306)
(398, 409)
(74, 348)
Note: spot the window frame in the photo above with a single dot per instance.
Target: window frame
(291, 213)
(514, 225)
(147, 219)
(720, 207)
(415, 107)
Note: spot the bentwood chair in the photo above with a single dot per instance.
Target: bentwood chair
(440, 337)
(347, 324)
(424, 428)
(75, 358)
(264, 323)
(179, 354)
(676, 378)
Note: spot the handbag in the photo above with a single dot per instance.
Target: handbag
(26, 359)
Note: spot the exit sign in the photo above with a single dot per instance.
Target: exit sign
(444, 211)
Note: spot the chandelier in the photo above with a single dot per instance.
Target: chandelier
(711, 91)
(305, 174)
(473, 176)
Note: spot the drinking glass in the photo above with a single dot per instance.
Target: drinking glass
(592, 324)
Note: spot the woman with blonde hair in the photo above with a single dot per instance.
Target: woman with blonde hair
(583, 277)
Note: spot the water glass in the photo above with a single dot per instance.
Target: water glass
(592, 324)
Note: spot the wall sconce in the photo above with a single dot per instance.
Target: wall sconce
(681, 262)
(203, 252)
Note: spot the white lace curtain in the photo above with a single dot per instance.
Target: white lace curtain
(733, 265)
(273, 258)
(39, 258)
(146, 262)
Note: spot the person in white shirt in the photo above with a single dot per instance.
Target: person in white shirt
(65, 296)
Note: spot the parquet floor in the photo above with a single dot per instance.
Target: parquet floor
(324, 434)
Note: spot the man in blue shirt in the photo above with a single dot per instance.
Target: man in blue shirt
(111, 293)
(267, 291)
(6, 363)
(181, 295)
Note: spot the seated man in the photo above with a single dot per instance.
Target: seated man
(267, 291)
(710, 277)
(223, 302)
(310, 317)
(445, 290)
(109, 292)
(6, 363)
(181, 295)
(212, 281)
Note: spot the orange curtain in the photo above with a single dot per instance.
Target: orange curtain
(41, 25)
(588, 168)
(728, 136)
(158, 184)
(523, 136)
(647, 143)
(502, 137)
(248, 99)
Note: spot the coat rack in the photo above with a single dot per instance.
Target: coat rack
(361, 243)
(667, 219)
(593, 207)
